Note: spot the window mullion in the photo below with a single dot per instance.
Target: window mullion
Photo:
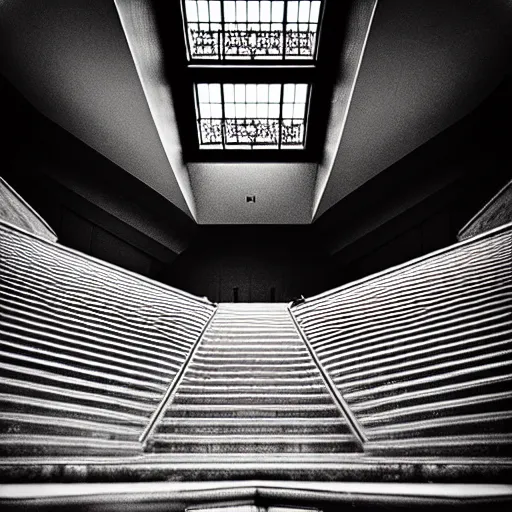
(281, 117)
(222, 50)
(223, 122)
(285, 23)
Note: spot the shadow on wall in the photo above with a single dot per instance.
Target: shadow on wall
(92, 205)
(250, 264)
(419, 204)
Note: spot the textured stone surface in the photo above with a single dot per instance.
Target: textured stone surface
(497, 212)
(15, 211)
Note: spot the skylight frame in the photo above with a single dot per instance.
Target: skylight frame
(224, 119)
(282, 58)
(320, 74)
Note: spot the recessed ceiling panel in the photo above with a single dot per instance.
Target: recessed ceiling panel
(283, 192)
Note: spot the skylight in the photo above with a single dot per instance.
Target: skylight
(252, 29)
(250, 116)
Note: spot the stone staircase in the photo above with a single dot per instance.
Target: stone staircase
(252, 387)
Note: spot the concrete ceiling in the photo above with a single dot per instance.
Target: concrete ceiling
(284, 193)
(95, 68)
(71, 60)
(425, 66)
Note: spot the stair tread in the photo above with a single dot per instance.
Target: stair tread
(251, 421)
(276, 438)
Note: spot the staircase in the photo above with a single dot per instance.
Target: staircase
(252, 387)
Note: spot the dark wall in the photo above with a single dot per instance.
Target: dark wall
(251, 264)
(476, 151)
(67, 182)
(89, 238)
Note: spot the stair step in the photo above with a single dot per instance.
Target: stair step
(252, 398)
(253, 322)
(252, 411)
(253, 426)
(282, 346)
(240, 422)
(269, 359)
(242, 335)
(330, 443)
(250, 430)
(256, 326)
(251, 380)
(260, 373)
(12, 445)
(249, 354)
(239, 388)
(246, 369)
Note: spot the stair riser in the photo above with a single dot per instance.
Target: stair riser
(248, 364)
(251, 350)
(251, 412)
(257, 374)
(231, 393)
(253, 400)
(247, 448)
(250, 431)
(248, 380)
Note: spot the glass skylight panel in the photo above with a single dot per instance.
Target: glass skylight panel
(249, 116)
(252, 29)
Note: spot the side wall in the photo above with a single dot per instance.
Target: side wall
(92, 204)
(420, 203)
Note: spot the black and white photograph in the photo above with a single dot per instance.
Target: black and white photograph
(255, 255)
